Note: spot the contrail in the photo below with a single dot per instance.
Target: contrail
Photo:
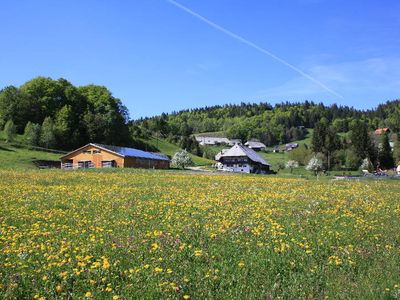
(251, 44)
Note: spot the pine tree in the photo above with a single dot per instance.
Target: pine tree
(331, 144)
(396, 150)
(385, 156)
(361, 141)
(318, 137)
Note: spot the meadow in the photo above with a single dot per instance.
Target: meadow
(126, 234)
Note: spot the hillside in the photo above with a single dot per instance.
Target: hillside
(170, 149)
(19, 157)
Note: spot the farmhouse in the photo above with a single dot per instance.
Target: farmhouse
(106, 156)
(239, 158)
(256, 145)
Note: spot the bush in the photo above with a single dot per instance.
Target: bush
(301, 154)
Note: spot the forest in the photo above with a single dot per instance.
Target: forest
(56, 114)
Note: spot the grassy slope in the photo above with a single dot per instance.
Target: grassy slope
(170, 149)
(13, 157)
(212, 134)
(274, 158)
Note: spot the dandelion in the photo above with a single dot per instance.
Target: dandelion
(106, 264)
(154, 246)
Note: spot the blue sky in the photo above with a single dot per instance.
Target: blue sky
(158, 58)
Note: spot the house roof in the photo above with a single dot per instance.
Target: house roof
(212, 140)
(293, 145)
(218, 155)
(240, 150)
(381, 130)
(255, 144)
(125, 152)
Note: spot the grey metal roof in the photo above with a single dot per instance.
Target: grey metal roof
(124, 151)
(255, 144)
(240, 150)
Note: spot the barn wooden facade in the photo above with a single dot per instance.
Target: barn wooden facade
(106, 156)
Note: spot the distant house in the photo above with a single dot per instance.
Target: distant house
(255, 145)
(290, 147)
(380, 131)
(214, 141)
(242, 159)
(106, 156)
(234, 142)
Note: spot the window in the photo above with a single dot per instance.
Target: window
(108, 164)
(96, 151)
(87, 152)
(85, 164)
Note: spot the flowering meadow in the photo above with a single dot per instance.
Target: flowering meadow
(164, 235)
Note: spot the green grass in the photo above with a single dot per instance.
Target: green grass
(170, 149)
(134, 234)
(212, 134)
(20, 157)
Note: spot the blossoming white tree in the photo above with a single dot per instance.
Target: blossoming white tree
(367, 165)
(182, 159)
(291, 164)
(315, 165)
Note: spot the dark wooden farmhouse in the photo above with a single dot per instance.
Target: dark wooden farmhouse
(242, 159)
(106, 156)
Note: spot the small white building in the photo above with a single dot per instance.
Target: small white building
(241, 159)
(212, 141)
(255, 145)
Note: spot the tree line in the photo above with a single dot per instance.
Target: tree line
(270, 124)
(358, 148)
(56, 114)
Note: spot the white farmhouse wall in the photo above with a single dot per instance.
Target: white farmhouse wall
(240, 168)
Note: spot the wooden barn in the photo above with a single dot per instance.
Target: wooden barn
(106, 156)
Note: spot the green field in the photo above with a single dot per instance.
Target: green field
(132, 234)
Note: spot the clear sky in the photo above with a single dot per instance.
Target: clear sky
(156, 57)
